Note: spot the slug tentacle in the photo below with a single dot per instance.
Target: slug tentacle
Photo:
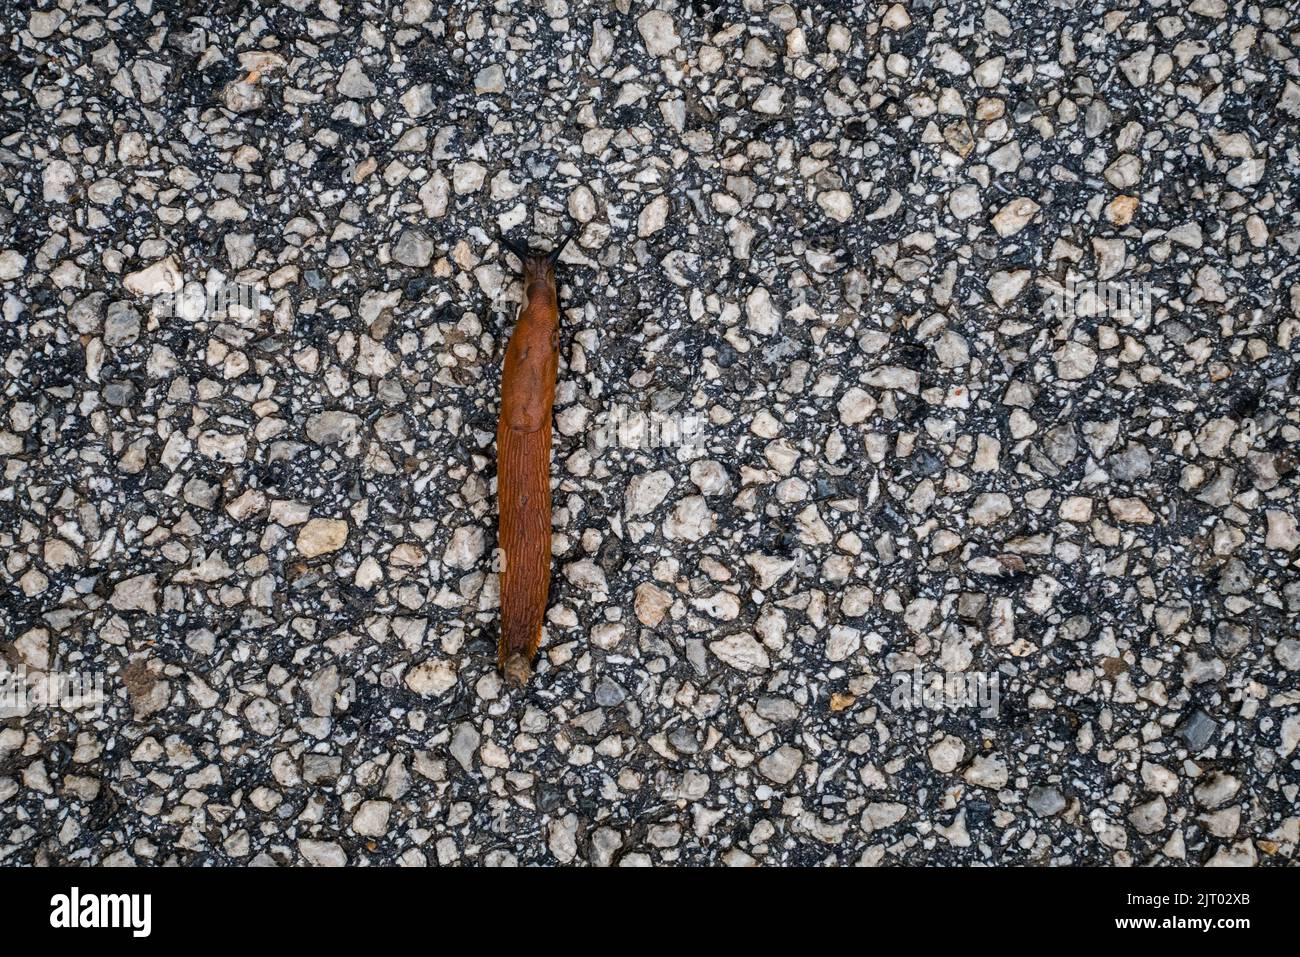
(554, 255)
(516, 247)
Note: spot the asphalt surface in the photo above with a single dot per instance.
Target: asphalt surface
(911, 343)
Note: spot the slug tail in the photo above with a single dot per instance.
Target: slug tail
(524, 534)
(517, 670)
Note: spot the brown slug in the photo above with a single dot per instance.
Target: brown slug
(523, 462)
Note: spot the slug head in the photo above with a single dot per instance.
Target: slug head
(537, 266)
